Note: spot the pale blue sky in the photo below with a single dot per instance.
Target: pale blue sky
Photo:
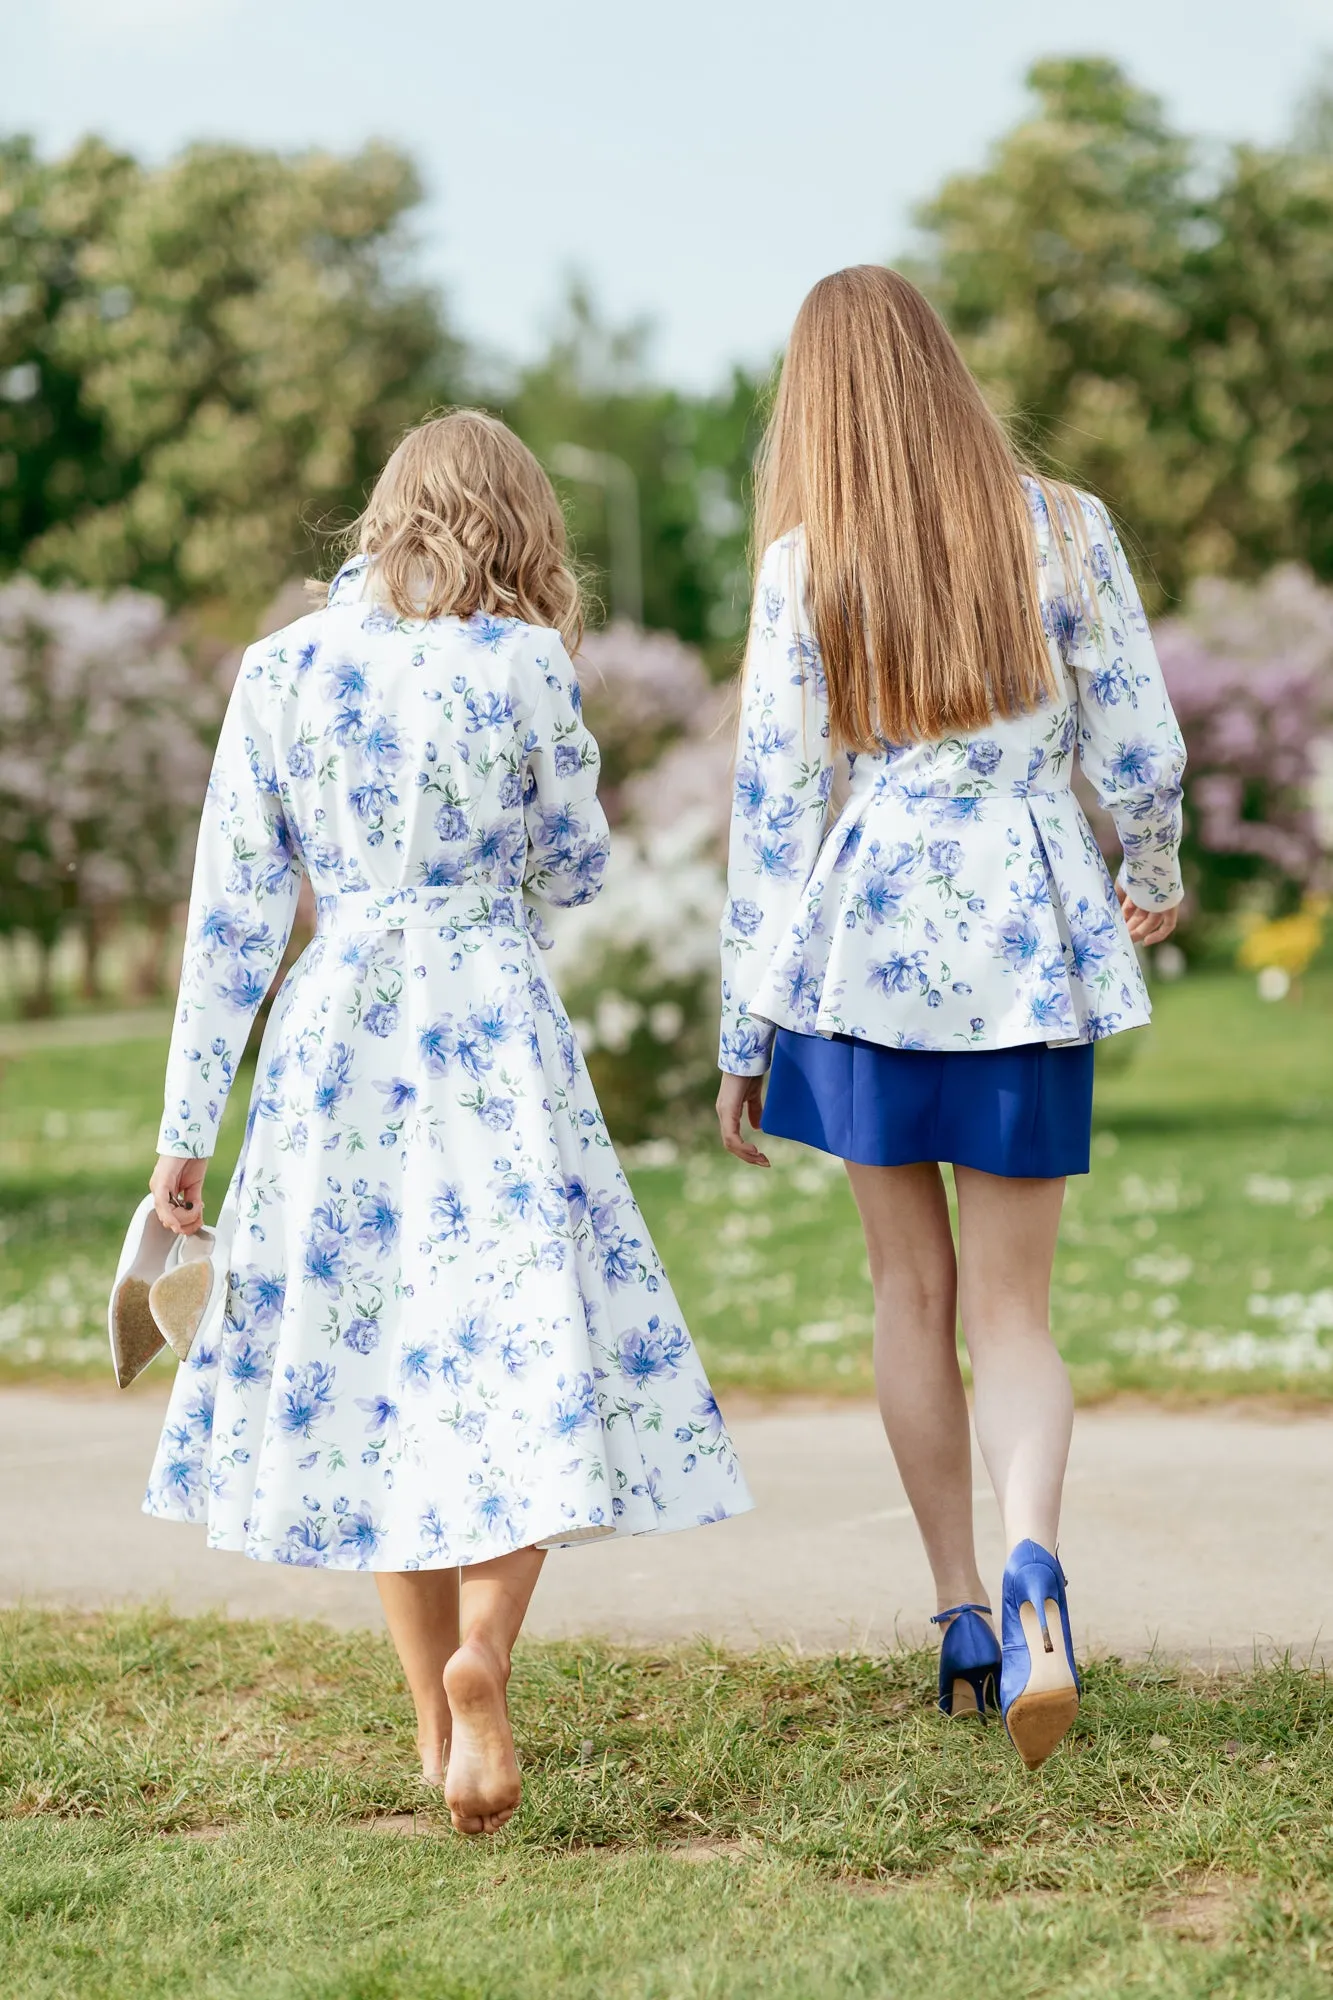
(702, 162)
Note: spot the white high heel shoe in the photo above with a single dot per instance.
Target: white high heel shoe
(141, 1319)
(179, 1299)
(135, 1337)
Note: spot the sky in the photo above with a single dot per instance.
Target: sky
(699, 163)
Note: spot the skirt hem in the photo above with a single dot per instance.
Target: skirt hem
(560, 1538)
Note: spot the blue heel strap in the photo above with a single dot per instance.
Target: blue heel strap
(953, 1611)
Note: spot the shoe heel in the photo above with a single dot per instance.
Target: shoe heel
(973, 1695)
(1041, 1715)
(969, 1662)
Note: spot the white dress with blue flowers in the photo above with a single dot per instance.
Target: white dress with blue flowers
(447, 1334)
(958, 899)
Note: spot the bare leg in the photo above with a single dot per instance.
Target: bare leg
(905, 1215)
(1022, 1402)
(421, 1611)
(482, 1783)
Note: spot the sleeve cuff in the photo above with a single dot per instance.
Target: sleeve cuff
(1146, 897)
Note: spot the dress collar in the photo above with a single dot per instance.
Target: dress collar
(348, 587)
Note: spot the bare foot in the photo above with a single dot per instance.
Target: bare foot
(481, 1785)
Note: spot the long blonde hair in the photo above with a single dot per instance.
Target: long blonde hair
(921, 560)
(463, 519)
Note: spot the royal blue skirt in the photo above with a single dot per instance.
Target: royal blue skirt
(1024, 1112)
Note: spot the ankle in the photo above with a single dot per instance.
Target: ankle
(493, 1654)
(960, 1586)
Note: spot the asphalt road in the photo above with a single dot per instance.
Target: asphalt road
(1203, 1535)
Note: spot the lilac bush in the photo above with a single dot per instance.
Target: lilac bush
(104, 754)
(1250, 670)
(640, 689)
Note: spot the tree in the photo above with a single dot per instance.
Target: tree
(689, 458)
(247, 347)
(104, 733)
(1156, 324)
(56, 460)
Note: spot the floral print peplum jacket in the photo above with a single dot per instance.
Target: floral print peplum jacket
(956, 899)
(446, 1332)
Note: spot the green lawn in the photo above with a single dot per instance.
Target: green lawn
(203, 1807)
(1197, 1258)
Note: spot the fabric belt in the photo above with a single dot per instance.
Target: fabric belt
(467, 907)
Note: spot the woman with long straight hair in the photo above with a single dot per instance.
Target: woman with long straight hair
(921, 956)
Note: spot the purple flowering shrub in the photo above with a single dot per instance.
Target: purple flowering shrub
(640, 690)
(104, 755)
(1250, 672)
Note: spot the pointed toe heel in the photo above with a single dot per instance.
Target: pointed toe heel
(969, 1662)
(1039, 1683)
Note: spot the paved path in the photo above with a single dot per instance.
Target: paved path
(78, 1031)
(1205, 1535)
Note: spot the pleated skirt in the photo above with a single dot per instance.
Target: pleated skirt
(1022, 1112)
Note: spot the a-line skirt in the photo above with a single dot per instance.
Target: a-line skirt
(1024, 1112)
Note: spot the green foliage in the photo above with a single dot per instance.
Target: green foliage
(245, 348)
(193, 1804)
(689, 457)
(56, 459)
(1157, 325)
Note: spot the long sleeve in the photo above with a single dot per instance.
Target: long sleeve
(246, 880)
(1130, 745)
(784, 773)
(568, 838)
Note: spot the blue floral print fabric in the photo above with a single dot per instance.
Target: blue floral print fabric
(957, 898)
(447, 1333)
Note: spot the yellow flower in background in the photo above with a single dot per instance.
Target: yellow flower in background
(1280, 949)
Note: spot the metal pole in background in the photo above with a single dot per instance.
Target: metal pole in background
(621, 491)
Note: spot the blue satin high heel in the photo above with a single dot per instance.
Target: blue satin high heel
(1039, 1683)
(969, 1662)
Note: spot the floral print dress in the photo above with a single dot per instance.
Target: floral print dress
(446, 1332)
(957, 899)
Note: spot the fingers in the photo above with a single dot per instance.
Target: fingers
(731, 1109)
(1147, 927)
(177, 1188)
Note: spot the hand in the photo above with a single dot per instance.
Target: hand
(736, 1094)
(185, 1180)
(1146, 926)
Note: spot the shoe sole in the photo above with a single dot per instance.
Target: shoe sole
(1041, 1717)
(135, 1334)
(178, 1302)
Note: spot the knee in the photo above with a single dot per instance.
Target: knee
(1005, 1326)
(913, 1298)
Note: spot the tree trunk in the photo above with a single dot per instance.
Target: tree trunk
(95, 926)
(150, 981)
(39, 1002)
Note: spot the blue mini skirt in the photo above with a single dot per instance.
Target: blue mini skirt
(1024, 1112)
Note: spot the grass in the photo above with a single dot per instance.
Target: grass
(1196, 1259)
(196, 1805)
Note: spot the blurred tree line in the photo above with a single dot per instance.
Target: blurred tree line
(202, 365)
(1155, 316)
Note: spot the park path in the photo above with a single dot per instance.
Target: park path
(1205, 1535)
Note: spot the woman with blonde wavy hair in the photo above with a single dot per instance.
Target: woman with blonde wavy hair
(921, 956)
(439, 1341)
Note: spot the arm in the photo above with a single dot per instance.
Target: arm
(1129, 743)
(784, 772)
(568, 838)
(246, 878)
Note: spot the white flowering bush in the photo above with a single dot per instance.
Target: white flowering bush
(103, 762)
(638, 968)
